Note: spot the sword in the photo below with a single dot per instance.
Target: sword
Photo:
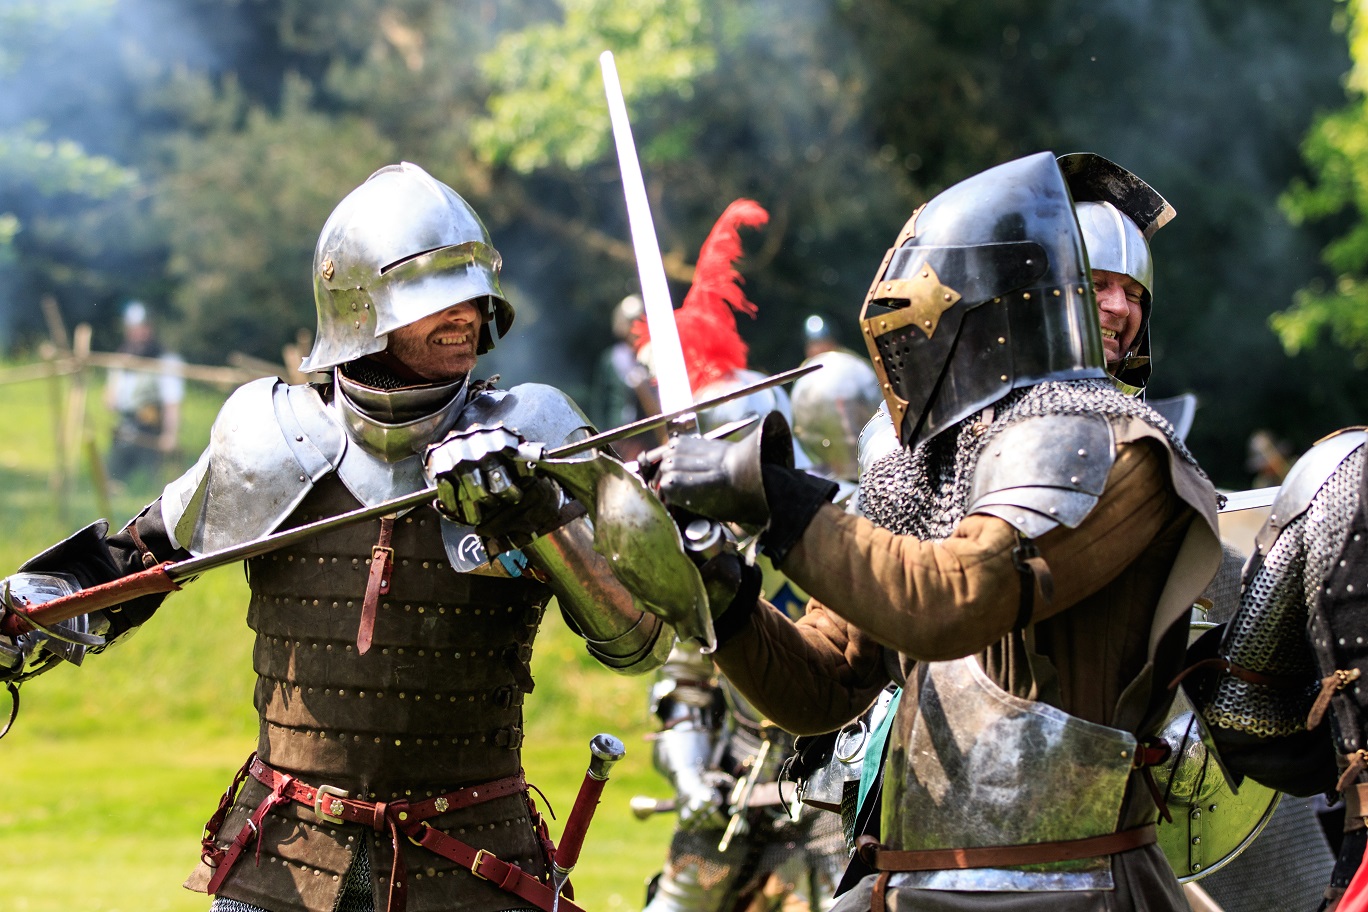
(738, 825)
(672, 376)
(1252, 499)
(17, 619)
(605, 750)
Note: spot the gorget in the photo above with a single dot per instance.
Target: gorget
(971, 765)
(391, 430)
(925, 492)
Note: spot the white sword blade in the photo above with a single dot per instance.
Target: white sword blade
(672, 376)
(1252, 499)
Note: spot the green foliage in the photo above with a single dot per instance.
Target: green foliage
(242, 204)
(547, 106)
(1336, 149)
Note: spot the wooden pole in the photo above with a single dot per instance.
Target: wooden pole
(77, 430)
(59, 347)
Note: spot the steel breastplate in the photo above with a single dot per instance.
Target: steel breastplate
(972, 765)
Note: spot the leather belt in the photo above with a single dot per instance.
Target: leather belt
(886, 861)
(333, 805)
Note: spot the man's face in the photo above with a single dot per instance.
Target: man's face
(1119, 310)
(440, 346)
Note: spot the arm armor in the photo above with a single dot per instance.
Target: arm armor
(87, 558)
(619, 633)
(1044, 472)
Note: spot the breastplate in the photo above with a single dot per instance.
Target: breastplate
(972, 765)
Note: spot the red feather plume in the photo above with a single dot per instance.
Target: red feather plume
(712, 347)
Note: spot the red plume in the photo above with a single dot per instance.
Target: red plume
(707, 325)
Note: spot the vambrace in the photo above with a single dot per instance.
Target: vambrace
(619, 633)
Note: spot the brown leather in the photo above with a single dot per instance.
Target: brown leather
(434, 705)
(21, 618)
(377, 584)
(882, 859)
(396, 818)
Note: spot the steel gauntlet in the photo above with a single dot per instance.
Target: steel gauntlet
(619, 633)
(30, 654)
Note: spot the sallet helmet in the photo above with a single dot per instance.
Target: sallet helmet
(985, 290)
(830, 407)
(1118, 214)
(400, 247)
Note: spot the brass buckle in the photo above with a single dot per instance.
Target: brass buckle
(479, 859)
(334, 806)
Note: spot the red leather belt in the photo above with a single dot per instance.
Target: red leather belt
(333, 805)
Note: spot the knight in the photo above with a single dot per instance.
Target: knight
(392, 655)
(1025, 565)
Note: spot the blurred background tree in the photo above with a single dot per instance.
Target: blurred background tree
(214, 136)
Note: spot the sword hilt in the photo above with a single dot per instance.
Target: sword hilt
(604, 750)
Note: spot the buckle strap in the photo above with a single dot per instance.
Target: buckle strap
(488, 866)
(885, 860)
(377, 584)
(332, 805)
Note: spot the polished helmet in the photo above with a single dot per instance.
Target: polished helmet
(830, 406)
(1118, 213)
(400, 247)
(985, 290)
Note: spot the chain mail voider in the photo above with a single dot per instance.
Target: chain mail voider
(1268, 633)
(925, 492)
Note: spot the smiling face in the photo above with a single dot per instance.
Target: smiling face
(440, 346)
(1120, 310)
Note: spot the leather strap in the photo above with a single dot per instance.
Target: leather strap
(882, 859)
(395, 817)
(377, 584)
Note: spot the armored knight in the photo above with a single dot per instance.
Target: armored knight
(736, 839)
(1287, 698)
(392, 656)
(1027, 561)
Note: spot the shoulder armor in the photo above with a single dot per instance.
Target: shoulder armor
(878, 439)
(540, 413)
(1308, 475)
(269, 444)
(1044, 472)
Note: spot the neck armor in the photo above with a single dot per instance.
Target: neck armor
(926, 491)
(395, 424)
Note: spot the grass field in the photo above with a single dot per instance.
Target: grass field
(112, 768)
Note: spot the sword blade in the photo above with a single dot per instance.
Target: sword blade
(1249, 500)
(672, 376)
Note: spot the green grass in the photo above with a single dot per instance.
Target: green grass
(113, 768)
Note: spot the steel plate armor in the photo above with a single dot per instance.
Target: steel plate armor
(400, 247)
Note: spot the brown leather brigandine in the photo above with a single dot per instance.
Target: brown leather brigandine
(434, 705)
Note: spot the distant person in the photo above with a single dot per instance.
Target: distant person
(147, 404)
(622, 391)
(818, 337)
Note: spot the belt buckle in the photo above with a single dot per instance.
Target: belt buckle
(333, 813)
(479, 860)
